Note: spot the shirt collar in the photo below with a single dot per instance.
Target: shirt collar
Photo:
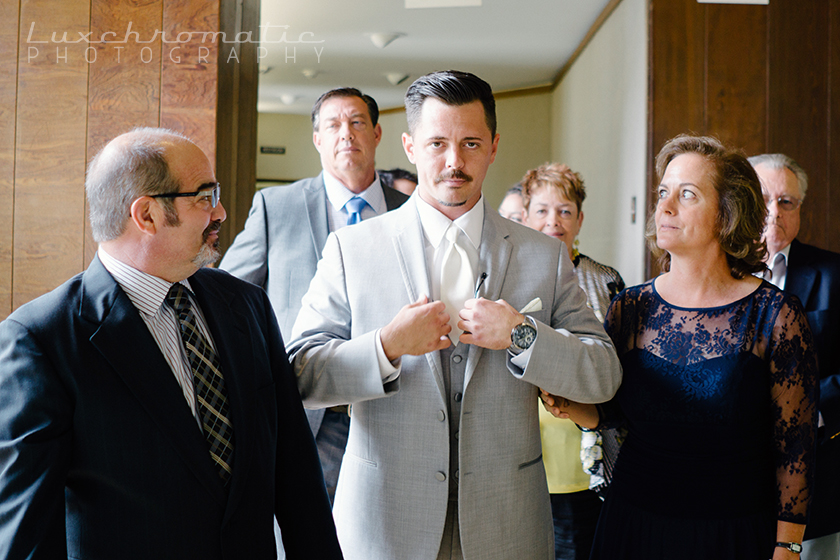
(338, 194)
(784, 252)
(435, 224)
(145, 291)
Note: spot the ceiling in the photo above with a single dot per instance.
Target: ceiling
(512, 44)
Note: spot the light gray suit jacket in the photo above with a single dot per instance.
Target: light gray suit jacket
(281, 244)
(393, 488)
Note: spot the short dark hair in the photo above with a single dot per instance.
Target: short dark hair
(453, 88)
(388, 176)
(373, 108)
(741, 209)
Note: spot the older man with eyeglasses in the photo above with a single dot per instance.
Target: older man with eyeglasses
(147, 407)
(813, 275)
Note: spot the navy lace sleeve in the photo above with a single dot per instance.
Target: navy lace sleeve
(795, 391)
(732, 384)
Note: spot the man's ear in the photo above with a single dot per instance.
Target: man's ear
(142, 214)
(408, 146)
(377, 133)
(316, 140)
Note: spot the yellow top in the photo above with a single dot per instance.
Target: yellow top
(561, 454)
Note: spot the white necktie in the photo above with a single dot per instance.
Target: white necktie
(456, 280)
(779, 269)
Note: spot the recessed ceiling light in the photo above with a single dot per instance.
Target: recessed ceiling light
(396, 78)
(382, 40)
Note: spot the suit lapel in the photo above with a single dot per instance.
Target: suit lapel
(232, 335)
(801, 277)
(127, 345)
(393, 198)
(315, 199)
(493, 258)
(409, 246)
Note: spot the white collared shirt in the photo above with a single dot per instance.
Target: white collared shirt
(148, 294)
(338, 195)
(778, 280)
(434, 226)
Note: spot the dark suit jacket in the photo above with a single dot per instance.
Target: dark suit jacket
(281, 245)
(100, 456)
(813, 275)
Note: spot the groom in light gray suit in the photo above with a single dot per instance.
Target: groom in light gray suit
(444, 459)
(288, 226)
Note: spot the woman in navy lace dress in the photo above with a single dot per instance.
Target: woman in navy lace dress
(720, 380)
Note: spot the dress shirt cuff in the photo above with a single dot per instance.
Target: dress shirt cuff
(387, 369)
(521, 359)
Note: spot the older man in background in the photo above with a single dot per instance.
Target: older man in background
(813, 275)
(288, 226)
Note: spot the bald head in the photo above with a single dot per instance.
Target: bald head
(131, 165)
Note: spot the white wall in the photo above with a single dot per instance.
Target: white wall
(524, 131)
(294, 132)
(599, 128)
(390, 153)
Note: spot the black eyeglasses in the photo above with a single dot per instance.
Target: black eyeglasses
(211, 193)
(785, 202)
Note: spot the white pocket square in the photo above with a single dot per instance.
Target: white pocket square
(533, 305)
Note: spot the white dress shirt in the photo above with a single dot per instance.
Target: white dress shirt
(434, 226)
(778, 280)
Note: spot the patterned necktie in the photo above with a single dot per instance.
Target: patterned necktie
(210, 395)
(354, 208)
(456, 280)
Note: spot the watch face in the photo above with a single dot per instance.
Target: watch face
(523, 336)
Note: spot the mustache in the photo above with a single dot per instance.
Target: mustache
(454, 174)
(214, 226)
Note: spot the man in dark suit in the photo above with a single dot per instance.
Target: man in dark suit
(147, 407)
(288, 227)
(813, 275)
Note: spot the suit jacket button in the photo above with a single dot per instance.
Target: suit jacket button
(458, 397)
(441, 415)
(457, 359)
(440, 475)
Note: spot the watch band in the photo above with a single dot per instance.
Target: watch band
(794, 547)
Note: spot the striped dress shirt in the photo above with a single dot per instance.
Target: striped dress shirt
(148, 294)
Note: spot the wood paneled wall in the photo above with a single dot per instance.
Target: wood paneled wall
(763, 78)
(79, 83)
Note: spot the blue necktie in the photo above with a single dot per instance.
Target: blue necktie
(354, 208)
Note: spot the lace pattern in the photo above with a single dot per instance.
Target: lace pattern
(711, 366)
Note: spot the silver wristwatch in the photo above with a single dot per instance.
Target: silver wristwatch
(522, 336)
(794, 547)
